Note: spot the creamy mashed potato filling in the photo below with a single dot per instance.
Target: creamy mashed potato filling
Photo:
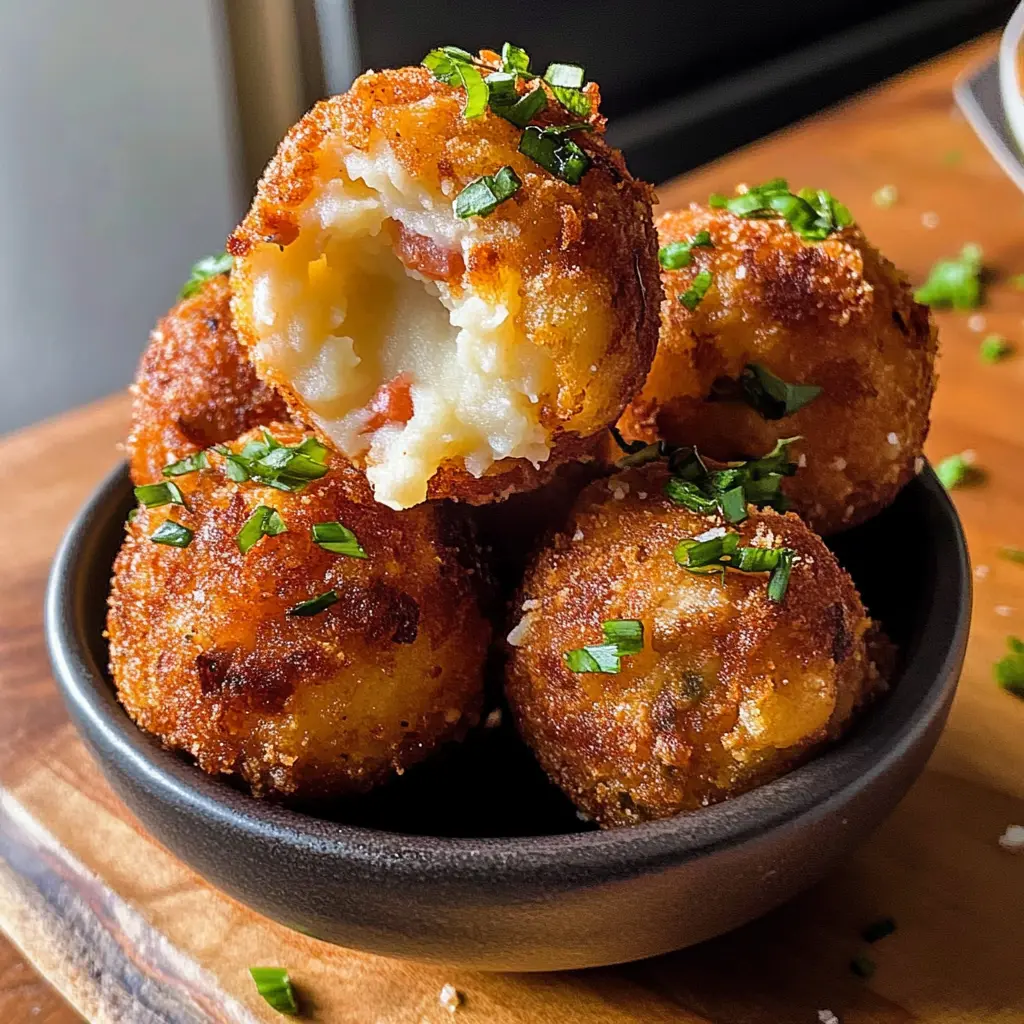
(402, 366)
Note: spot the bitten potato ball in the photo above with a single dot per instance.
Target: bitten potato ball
(447, 356)
(779, 310)
(700, 686)
(311, 665)
(195, 386)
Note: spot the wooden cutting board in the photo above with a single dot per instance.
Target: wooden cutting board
(127, 933)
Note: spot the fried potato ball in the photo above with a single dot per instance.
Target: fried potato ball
(195, 386)
(213, 651)
(834, 314)
(448, 357)
(730, 689)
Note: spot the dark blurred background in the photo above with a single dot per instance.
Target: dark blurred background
(134, 131)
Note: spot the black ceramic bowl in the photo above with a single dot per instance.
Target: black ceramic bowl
(474, 858)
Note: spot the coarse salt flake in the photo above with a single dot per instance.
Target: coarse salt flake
(450, 997)
(839, 463)
(1013, 839)
(930, 219)
(578, 535)
(827, 1017)
(980, 572)
(741, 272)
(976, 323)
(1004, 610)
(519, 631)
(893, 437)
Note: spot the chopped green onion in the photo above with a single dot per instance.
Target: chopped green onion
(690, 496)
(955, 282)
(189, 464)
(879, 929)
(771, 396)
(778, 583)
(734, 504)
(958, 470)
(155, 495)
(284, 467)
(1009, 670)
(698, 289)
(568, 75)
(813, 214)
(602, 658)
(642, 456)
(314, 605)
(203, 270)
(886, 196)
(501, 88)
(482, 197)
(514, 59)
(863, 966)
(758, 559)
(524, 109)
(676, 255)
(993, 348)
(1012, 554)
(555, 153)
(622, 637)
(626, 634)
(477, 92)
(275, 986)
(264, 522)
(172, 533)
(338, 539)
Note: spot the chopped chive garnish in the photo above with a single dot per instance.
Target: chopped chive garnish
(955, 282)
(698, 289)
(454, 66)
(284, 467)
(1009, 670)
(886, 196)
(863, 966)
(574, 100)
(314, 605)
(189, 464)
(264, 522)
(778, 583)
(555, 153)
(568, 75)
(706, 491)
(771, 396)
(483, 196)
(716, 554)
(203, 270)
(813, 214)
(520, 110)
(627, 634)
(514, 59)
(677, 255)
(602, 658)
(993, 348)
(622, 637)
(173, 534)
(879, 929)
(338, 539)
(1012, 554)
(958, 470)
(275, 986)
(155, 495)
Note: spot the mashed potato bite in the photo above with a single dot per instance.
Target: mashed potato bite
(432, 350)
(315, 662)
(831, 318)
(699, 685)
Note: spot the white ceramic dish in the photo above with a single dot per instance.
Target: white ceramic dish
(1009, 75)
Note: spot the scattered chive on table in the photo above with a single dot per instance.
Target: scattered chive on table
(128, 934)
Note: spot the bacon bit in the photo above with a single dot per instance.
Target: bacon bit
(391, 404)
(425, 256)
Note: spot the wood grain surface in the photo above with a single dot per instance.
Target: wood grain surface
(126, 933)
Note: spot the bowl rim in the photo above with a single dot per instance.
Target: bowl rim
(810, 791)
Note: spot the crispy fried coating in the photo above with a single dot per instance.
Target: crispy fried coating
(206, 656)
(539, 322)
(835, 314)
(195, 386)
(730, 690)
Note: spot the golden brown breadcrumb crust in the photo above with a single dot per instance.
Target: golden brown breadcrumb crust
(731, 690)
(194, 386)
(206, 657)
(587, 253)
(834, 313)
